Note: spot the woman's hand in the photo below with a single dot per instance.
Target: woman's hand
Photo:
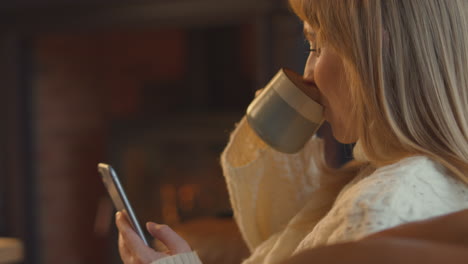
(134, 251)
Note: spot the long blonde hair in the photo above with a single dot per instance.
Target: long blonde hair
(407, 64)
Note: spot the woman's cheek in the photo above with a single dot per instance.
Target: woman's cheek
(321, 82)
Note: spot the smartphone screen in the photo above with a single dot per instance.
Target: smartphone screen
(118, 196)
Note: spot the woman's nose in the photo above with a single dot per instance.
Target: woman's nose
(312, 90)
(309, 69)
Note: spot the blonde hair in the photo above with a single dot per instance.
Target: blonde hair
(407, 64)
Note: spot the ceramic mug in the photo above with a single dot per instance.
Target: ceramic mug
(286, 113)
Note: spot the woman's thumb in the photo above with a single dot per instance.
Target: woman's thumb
(152, 228)
(169, 237)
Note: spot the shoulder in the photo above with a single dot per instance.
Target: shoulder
(412, 189)
(418, 174)
(406, 188)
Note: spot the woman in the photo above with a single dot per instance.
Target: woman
(393, 77)
(438, 240)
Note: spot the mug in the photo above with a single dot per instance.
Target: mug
(285, 115)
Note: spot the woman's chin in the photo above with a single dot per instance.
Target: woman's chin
(344, 136)
(345, 140)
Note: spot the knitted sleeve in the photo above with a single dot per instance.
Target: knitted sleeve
(267, 188)
(184, 258)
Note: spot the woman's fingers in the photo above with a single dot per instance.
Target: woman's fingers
(169, 237)
(132, 248)
(125, 253)
(258, 92)
(127, 232)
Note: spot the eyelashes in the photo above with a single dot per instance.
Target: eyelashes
(312, 48)
(316, 51)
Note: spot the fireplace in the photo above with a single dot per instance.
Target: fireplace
(152, 88)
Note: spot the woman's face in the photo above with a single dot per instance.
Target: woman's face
(325, 70)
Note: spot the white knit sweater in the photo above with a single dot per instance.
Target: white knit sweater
(275, 198)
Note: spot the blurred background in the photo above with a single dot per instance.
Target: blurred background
(153, 88)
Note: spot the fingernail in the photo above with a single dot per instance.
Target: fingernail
(118, 214)
(153, 225)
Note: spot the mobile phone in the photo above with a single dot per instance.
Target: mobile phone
(119, 198)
